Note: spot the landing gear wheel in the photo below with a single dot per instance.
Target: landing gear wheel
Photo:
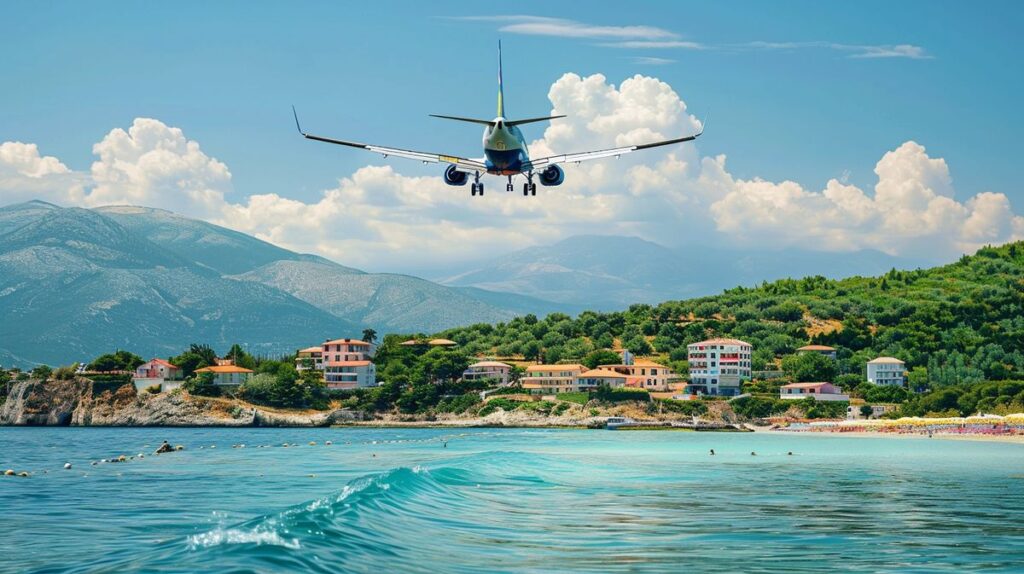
(529, 189)
(477, 188)
(509, 187)
(526, 189)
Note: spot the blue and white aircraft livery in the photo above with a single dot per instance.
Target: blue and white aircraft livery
(505, 152)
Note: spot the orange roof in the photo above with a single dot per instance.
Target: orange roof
(412, 342)
(602, 374)
(442, 342)
(721, 342)
(356, 342)
(816, 348)
(549, 368)
(223, 369)
(317, 349)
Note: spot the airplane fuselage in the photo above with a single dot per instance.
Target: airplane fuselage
(504, 148)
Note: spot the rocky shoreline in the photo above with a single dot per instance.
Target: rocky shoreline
(81, 402)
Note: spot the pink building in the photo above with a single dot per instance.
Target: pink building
(347, 364)
(157, 372)
(820, 392)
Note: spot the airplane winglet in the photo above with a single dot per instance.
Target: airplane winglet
(297, 126)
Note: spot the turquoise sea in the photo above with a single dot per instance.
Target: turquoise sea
(506, 500)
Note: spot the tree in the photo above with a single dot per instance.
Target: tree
(809, 367)
(240, 357)
(119, 360)
(42, 372)
(441, 364)
(866, 411)
(370, 336)
(601, 357)
(202, 385)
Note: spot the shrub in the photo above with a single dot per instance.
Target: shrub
(608, 394)
(202, 385)
(495, 404)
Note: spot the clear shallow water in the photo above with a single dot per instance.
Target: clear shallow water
(512, 500)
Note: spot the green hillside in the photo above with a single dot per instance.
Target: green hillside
(960, 323)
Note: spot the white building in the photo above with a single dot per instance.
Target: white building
(718, 366)
(493, 370)
(887, 371)
(590, 380)
(227, 375)
(820, 392)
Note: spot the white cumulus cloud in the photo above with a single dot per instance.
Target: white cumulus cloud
(378, 218)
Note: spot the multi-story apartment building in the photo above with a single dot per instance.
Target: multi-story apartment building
(347, 365)
(552, 379)
(312, 356)
(718, 366)
(493, 370)
(887, 371)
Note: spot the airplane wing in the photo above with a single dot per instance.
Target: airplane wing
(461, 163)
(598, 154)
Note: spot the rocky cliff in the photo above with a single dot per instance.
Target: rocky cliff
(81, 402)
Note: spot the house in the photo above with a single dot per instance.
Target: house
(157, 372)
(313, 356)
(643, 374)
(590, 380)
(886, 371)
(227, 375)
(718, 366)
(493, 370)
(346, 364)
(552, 379)
(820, 392)
(829, 352)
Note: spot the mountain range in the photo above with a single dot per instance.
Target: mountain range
(75, 283)
(603, 272)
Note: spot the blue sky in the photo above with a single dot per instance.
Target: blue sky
(789, 93)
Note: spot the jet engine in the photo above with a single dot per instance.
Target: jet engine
(552, 175)
(453, 176)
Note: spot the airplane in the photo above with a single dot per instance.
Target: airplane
(505, 152)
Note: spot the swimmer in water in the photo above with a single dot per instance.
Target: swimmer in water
(712, 452)
(752, 453)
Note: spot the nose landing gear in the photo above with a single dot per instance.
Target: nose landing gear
(509, 187)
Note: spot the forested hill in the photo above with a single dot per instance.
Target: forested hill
(959, 323)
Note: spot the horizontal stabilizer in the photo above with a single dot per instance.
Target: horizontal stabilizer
(458, 119)
(531, 120)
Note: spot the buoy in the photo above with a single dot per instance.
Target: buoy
(93, 463)
(213, 446)
(8, 472)
(67, 465)
(312, 443)
(23, 474)
(182, 447)
(122, 458)
(140, 455)
(328, 442)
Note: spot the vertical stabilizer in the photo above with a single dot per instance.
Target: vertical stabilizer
(501, 94)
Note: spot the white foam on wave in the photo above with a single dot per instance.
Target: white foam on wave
(257, 536)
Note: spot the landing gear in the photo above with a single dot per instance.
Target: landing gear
(477, 187)
(509, 187)
(529, 188)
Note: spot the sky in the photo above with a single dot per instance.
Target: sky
(831, 126)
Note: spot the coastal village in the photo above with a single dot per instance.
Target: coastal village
(718, 368)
